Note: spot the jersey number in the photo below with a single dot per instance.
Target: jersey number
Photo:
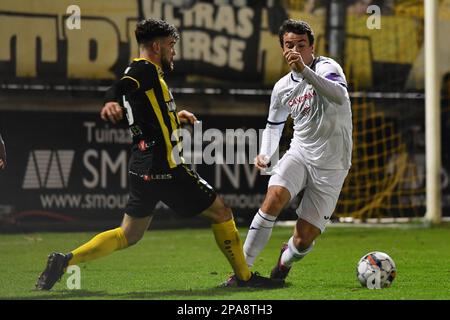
(129, 113)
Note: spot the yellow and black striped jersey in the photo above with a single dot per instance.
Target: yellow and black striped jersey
(152, 116)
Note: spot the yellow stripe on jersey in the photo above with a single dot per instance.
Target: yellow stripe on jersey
(139, 85)
(165, 89)
(140, 59)
(157, 109)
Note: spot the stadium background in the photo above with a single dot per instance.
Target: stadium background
(67, 168)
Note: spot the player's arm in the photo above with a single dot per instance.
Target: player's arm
(2, 154)
(112, 110)
(330, 85)
(327, 80)
(272, 133)
(140, 75)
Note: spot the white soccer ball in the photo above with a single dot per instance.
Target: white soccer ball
(376, 270)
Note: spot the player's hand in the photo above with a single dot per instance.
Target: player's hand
(2, 164)
(187, 117)
(295, 60)
(112, 111)
(261, 161)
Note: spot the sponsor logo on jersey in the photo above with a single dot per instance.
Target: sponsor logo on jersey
(300, 99)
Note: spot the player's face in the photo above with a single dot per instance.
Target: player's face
(167, 53)
(299, 43)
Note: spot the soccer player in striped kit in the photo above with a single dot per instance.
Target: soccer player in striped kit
(314, 93)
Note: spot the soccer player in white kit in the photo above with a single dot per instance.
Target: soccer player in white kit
(315, 95)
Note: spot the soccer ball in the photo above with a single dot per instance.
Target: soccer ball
(376, 270)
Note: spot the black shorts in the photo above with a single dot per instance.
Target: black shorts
(181, 189)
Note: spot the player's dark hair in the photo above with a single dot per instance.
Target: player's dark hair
(149, 29)
(297, 27)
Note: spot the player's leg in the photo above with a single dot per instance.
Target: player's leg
(99, 246)
(289, 179)
(261, 226)
(317, 206)
(135, 223)
(194, 196)
(298, 246)
(134, 228)
(229, 241)
(227, 236)
(129, 233)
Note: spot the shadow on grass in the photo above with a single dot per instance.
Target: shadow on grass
(143, 295)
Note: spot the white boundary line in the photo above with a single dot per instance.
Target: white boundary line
(371, 223)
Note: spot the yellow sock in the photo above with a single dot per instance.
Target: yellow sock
(101, 245)
(229, 241)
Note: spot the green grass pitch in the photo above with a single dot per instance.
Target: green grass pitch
(186, 264)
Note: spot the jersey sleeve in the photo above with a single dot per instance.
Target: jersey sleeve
(333, 72)
(278, 113)
(121, 87)
(328, 80)
(276, 119)
(139, 75)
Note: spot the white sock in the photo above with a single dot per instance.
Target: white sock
(258, 235)
(291, 254)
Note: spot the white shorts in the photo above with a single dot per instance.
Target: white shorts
(322, 187)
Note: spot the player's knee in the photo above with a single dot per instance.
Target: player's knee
(223, 214)
(218, 213)
(302, 243)
(274, 202)
(133, 237)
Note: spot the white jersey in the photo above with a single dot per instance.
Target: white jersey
(318, 102)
